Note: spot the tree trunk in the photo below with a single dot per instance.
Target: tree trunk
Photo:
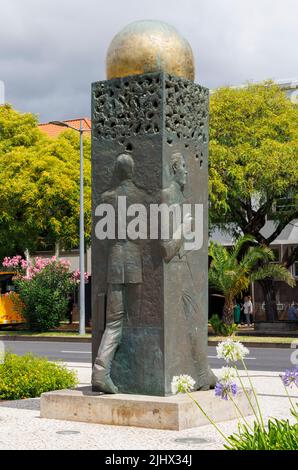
(228, 312)
(270, 299)
(27, 256)
(57, 249)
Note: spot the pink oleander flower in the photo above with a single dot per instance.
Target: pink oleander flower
(76, 276)
(12, 263)
(40, 263)
(16, 261)
(64, 262)
(24, 264)
(5, 262)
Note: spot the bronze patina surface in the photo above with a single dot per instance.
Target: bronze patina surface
(149, 46)
(152, 326)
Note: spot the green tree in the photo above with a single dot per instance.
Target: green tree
(39, 180)
(17, 130)
(253, 164)
(231, 272)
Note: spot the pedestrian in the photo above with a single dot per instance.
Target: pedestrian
(251, 311)
(242, 316)
(293, 312)
(247, 308)
(237, 311)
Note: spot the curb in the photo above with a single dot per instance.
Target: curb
(258, 345)
(54, 339)
(66, 339)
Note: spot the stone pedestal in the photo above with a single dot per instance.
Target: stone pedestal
(174, 413)
(151, 117)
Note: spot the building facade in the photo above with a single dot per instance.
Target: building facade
(283, 245)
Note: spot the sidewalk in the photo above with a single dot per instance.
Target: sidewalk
(22, 428)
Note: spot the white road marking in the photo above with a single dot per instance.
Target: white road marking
(77, 352)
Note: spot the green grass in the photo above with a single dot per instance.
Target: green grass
(255, 339)
(59, 334)
(68, 334)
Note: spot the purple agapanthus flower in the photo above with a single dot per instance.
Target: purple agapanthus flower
(290, 377)
(223, 389)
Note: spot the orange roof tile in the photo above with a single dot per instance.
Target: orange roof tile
(53, 130)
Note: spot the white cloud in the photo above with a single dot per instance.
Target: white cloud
(51, 50)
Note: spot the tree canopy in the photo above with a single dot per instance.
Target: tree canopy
(254, 166)
(39, 179)
(253, 157)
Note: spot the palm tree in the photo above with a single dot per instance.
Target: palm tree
(231, 272)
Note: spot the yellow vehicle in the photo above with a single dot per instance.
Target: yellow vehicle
(10, 312)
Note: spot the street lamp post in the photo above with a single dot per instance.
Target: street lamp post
(82, 328)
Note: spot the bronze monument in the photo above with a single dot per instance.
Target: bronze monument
(149, 144)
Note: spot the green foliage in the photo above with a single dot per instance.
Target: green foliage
(254, 167)
(29, 376)
(274, 271)
(232, 276)
(216, 324)
(231, 272)
(39, 179)
(17, 130)
(253, 152)
(279, 435)
(220, 328)
(229, 330)
(44, 299)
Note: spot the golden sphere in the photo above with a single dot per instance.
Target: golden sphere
(149, 46)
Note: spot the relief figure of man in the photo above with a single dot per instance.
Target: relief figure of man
(124, 277)
(186, 296)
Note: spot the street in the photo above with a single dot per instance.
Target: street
(259, 359)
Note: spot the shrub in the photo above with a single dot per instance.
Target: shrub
(229, 330)
(45, 296)
(279, 435)
(220, 328)
(216, 324)
(29, 376)
(44, 286)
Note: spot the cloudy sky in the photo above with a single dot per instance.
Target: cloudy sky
(51, 50)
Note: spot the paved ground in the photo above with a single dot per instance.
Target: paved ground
(260, 359)
(22, 428)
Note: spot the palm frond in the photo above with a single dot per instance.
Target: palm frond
(239, 245)
(231, 276)
(255, 254)
(274, 271)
